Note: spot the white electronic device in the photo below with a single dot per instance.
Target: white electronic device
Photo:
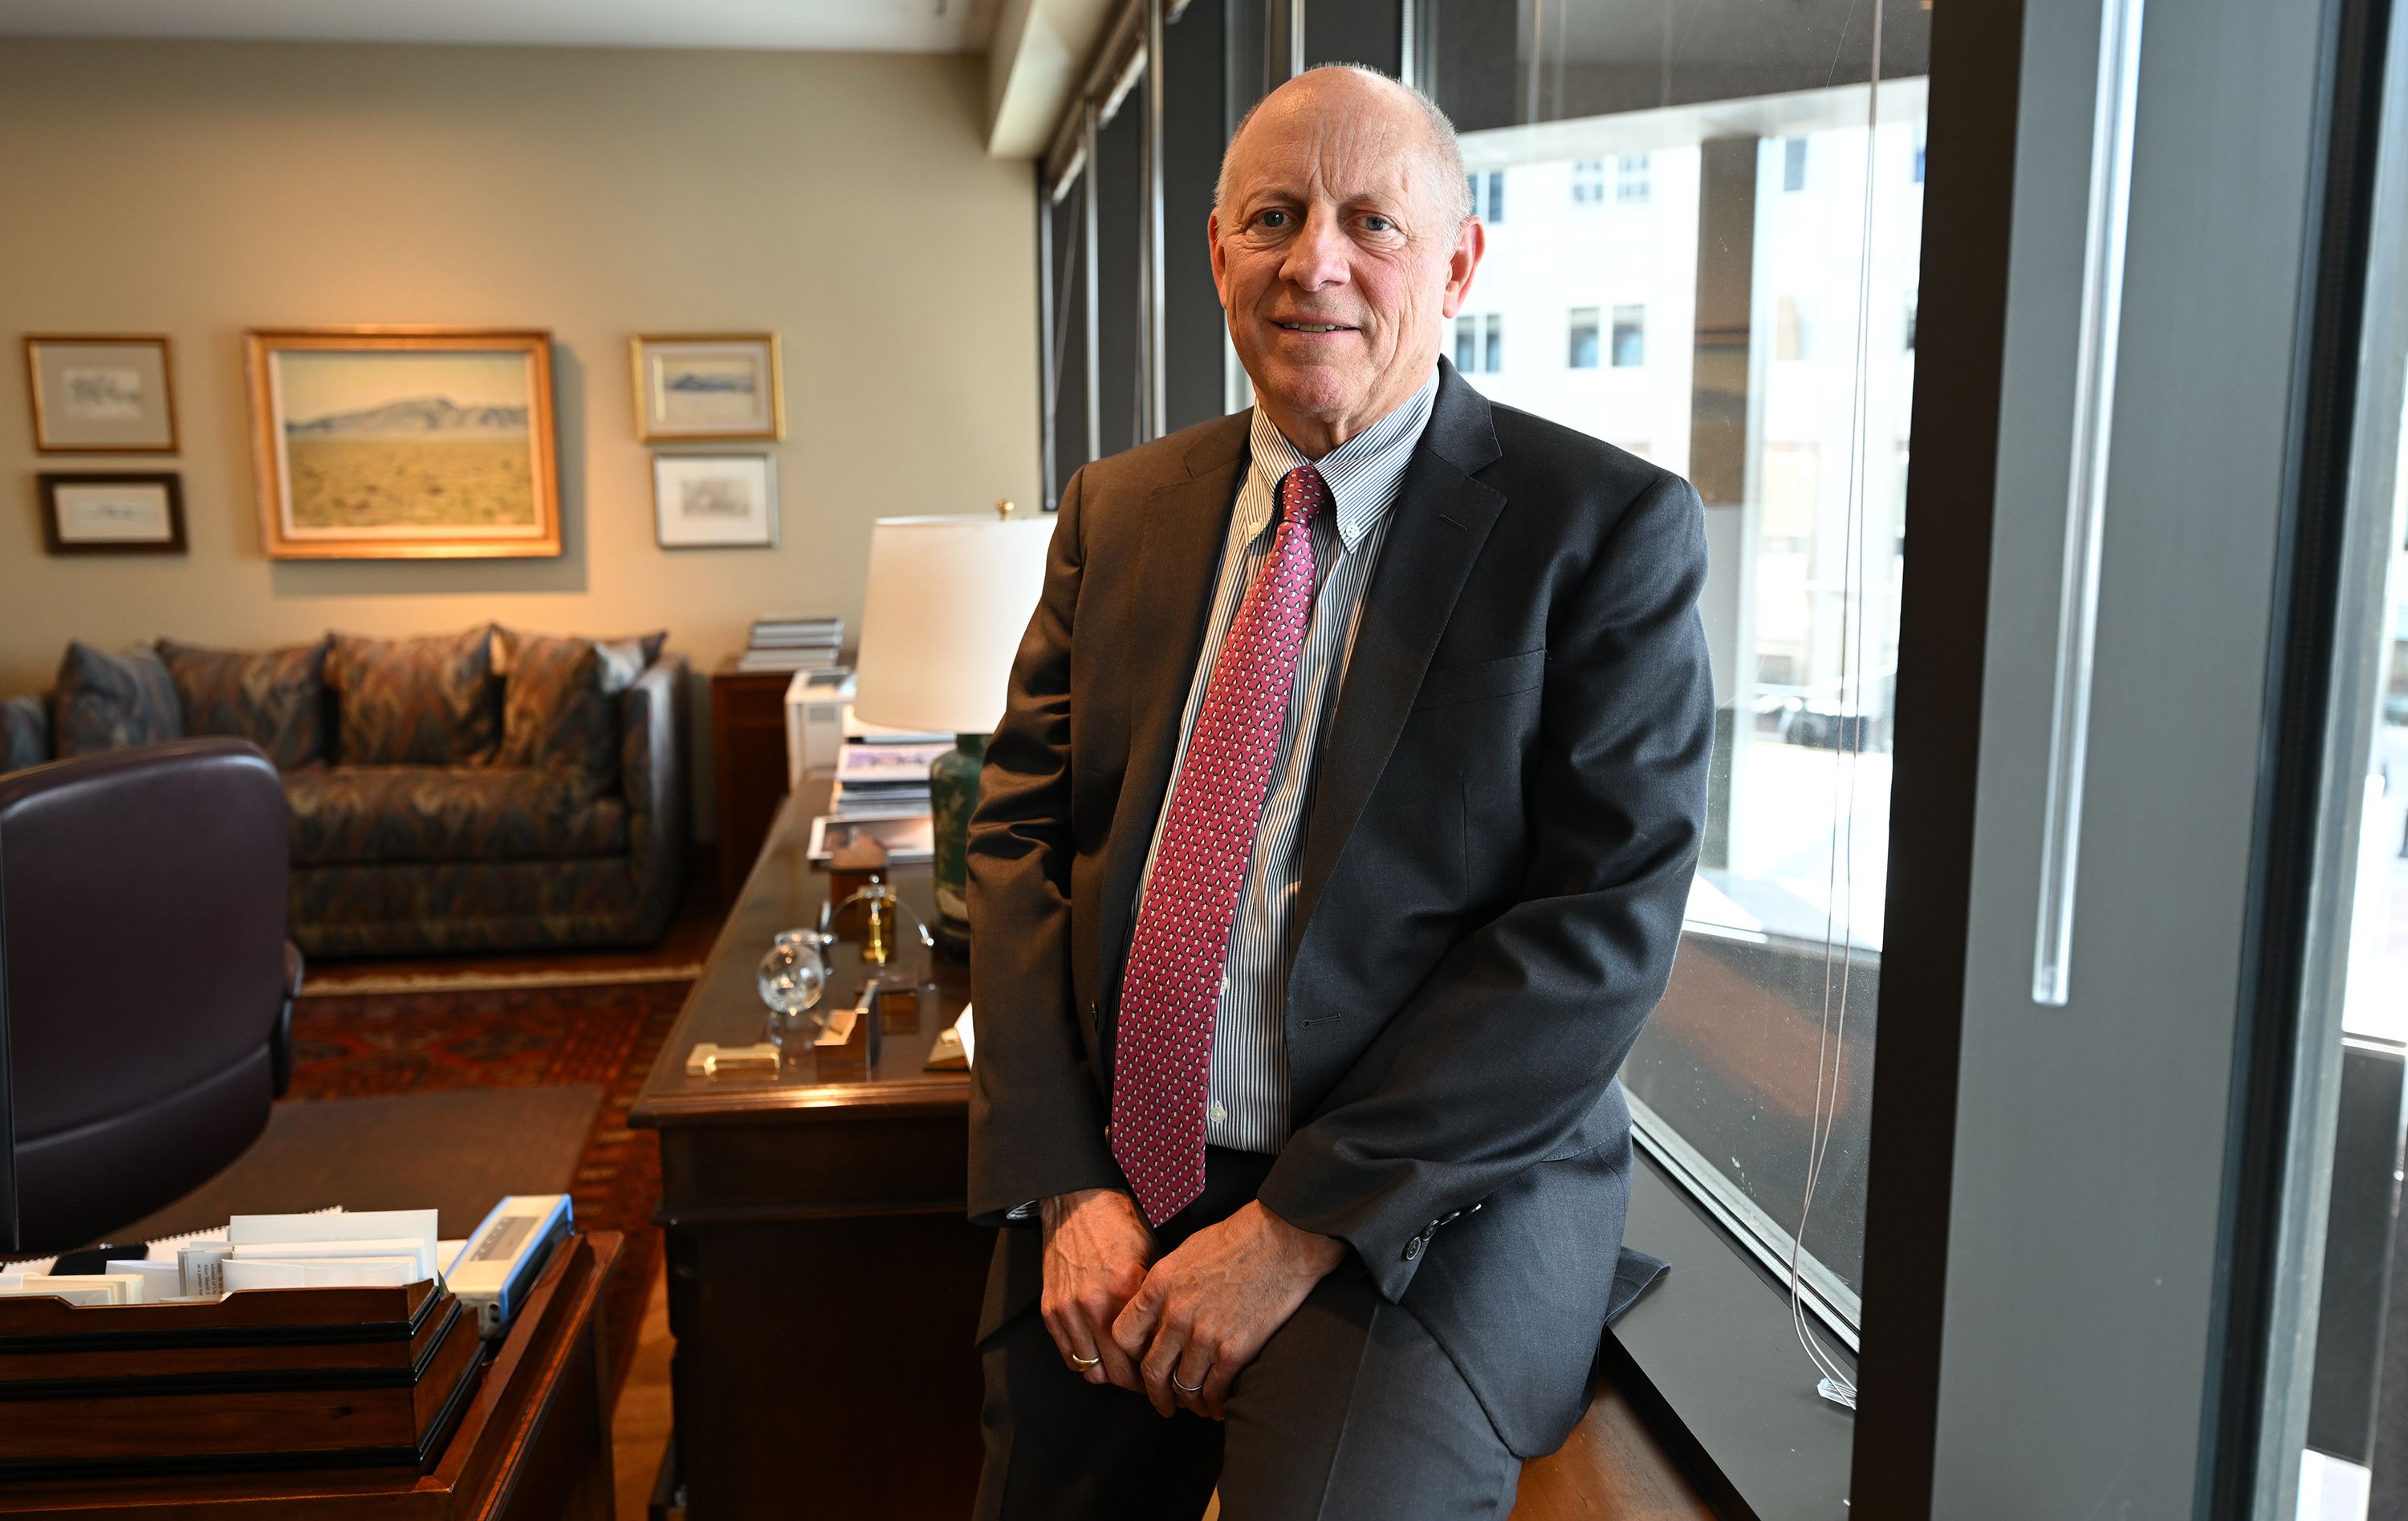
(504, 1253)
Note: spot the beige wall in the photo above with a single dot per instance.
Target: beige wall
(197, 189)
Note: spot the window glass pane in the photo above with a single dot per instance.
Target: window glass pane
(1629, 336)
(1120, 269)
(1068, 404)
(1749, 315)
(1584, 336)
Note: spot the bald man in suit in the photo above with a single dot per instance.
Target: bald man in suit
(1329, 856)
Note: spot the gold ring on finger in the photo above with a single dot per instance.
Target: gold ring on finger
(1082, 1364)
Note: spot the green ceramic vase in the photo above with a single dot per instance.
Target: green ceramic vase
(953, 792)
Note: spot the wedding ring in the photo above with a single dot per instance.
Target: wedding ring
(1083, 1363)
(1182, 1387)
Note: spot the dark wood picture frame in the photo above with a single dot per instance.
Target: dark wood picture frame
(56, 542)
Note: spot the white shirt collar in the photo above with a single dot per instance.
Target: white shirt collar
(1362, 472)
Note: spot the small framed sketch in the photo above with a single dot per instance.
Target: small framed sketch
(716, 501)
(709, 388)
(403, 442)
(112, 514)
(101, 393)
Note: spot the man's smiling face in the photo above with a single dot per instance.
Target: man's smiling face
(1338, 251)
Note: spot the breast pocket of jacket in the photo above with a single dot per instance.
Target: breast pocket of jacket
(1451, 686)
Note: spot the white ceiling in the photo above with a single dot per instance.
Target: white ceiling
(865, 25)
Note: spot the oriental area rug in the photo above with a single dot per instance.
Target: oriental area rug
(589, 1035)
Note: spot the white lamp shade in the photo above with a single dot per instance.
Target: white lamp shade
(948, 601)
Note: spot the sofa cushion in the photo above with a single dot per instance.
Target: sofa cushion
(276, 699)
(24, 733)
(559, 701)
(111, 701)
(389, 814)
(430, 701)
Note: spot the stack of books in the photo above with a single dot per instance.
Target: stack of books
(885, 780)
(794, 642)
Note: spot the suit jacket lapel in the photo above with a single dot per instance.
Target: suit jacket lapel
(1179, 563)
(1442, 517)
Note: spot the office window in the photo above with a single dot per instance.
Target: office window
(1488, 195)
(1724, 234)
(1492, 358)
(1789, 333)
(1583, 337)
(1629, 336)
(1588, 181)
(1631, 179)
(1467, 343)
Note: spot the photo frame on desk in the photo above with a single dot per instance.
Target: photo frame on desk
(909, 840)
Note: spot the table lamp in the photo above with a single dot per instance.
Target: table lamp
(946, 603)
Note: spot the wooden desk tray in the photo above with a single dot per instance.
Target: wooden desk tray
(267, 1378)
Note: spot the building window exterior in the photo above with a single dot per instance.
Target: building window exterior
(1479, 342)
(1584, 331)
(1488, 195)
(1629, 336)
(1793, 164)
(1633, 180)
(1588, 181)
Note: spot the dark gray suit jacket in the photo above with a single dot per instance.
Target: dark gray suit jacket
(1495, 862)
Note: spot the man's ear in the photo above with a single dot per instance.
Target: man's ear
(1471, 242)
(1220, 263)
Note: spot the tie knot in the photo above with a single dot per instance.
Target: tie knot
(1303, 494)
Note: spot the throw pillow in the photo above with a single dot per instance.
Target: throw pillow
(559, 701)
(276, 699)
(111, 701)
(24, 733)
(430, 701)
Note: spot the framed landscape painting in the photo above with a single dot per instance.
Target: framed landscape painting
(101, 393)
(403, 442)
(708, 387)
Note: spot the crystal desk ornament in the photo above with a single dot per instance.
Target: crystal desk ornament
(793, 979)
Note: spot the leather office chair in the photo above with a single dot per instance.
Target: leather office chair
(146, 984)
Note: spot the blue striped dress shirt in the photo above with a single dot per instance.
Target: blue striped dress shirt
(1248, 1104)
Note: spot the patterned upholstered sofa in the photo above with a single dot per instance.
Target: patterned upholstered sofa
(489, 790)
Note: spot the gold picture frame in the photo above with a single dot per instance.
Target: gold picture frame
(388, 443)
(102, 393)
(708, 387)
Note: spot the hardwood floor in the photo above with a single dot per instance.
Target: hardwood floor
(640, 1427)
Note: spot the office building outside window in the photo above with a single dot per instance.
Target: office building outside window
(1629, 336)
(1631, 180)
(1582, 330)
(1588, 181)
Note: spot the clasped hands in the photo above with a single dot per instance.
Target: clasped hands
(1179, 1330)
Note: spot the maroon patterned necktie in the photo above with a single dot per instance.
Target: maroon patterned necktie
(1163, 1060)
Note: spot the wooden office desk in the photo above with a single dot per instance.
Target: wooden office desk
(533, 1445)
(823, 1285)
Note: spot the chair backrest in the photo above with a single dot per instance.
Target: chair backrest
(142, 901)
